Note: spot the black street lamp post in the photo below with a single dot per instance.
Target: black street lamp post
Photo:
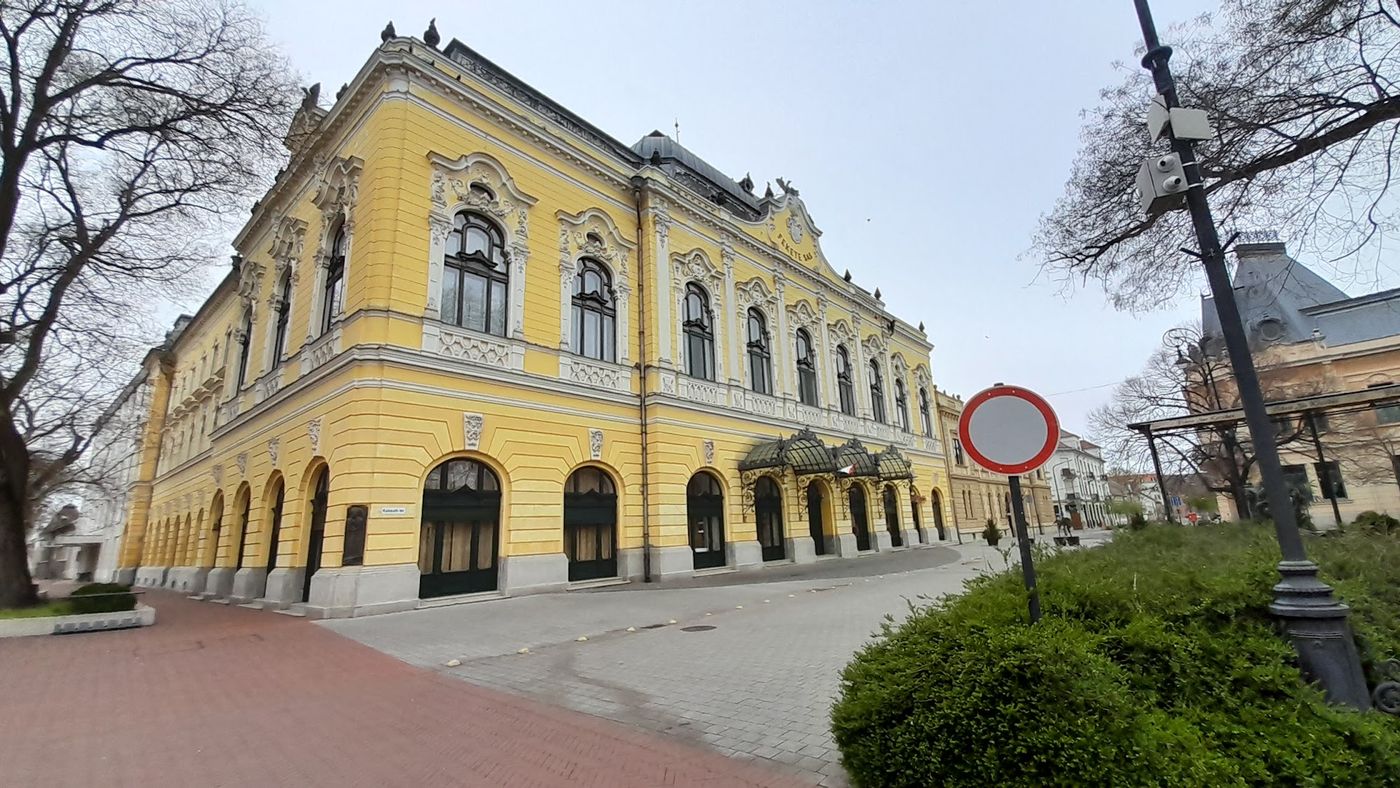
(1312, 616)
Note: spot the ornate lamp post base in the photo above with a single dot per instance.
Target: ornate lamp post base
(1316, 623)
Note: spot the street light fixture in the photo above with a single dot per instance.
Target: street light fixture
(1315, 620)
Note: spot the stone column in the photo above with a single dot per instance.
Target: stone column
(665, 324)
(826, 370)
(783, 383)
(736, 327)
(859, 375)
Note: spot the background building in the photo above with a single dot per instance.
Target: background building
(1309, 338)
(472, 344)
(1079, 482)
(979, 494)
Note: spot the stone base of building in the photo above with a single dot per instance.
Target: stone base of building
(248, 584)
(344, 592)
(151, 576)
(187, 579)
(284, 587)
(845, 545)
(533, 574)
(801, 549)
(911, 538)
(126, 576)
(219, 583)
(743, 555)
(664, 561)
(883, 541)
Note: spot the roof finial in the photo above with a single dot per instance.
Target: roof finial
(430, 36)
(877, 294)
(847, 277)
(747, 183)
(678, 129)
(921, 327)
(768, 191)
(388, 32)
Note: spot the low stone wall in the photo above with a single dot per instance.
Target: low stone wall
(142, 616)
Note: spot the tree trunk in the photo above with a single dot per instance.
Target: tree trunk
(16, 586)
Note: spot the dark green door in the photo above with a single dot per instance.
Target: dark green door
(814, 518)
(704, 510)
(768, 509)
(318, 531)
(892, 517)
(859, 523)
(590, 525)
(459, 535)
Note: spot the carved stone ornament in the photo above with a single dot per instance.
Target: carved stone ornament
(288, 240)
(272, 447)
(753, 293)
(472, 424)
(794, 226)
(801, 315)
(313, 431)
(709, 452)
(250, 275)
(243, 464)
(595, 444)
(218, 473)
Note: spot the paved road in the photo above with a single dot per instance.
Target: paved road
(748, 669)
(219, 696)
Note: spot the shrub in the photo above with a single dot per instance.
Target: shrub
(991, 533)
(102, 598)
(1137, 522)
(1157, 663)
(1378, 523)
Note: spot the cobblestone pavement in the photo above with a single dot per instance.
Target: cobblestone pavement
(220, 696)
(747, 669)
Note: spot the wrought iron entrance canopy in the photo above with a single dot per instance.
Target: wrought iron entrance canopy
(804, 453)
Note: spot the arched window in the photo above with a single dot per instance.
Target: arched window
(806, 369)
(284, 313)
(760, 354)
(595, 312)
(901, 404)
(925, 419)
(245, 343)
(333, 292)
(877, 392)
(460, 529)
(698, 325)
(844, 385)
(475, 275)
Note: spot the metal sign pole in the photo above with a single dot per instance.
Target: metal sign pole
(1018, 511)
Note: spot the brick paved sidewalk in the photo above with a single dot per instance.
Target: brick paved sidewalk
(217, 696)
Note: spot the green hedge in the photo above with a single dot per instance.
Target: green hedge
(101, 598)
(1157, 663)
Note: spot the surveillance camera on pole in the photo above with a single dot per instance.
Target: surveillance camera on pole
(1161, 183)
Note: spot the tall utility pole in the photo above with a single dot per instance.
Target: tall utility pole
(1313, 617)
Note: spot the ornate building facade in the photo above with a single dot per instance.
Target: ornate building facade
(472, 344)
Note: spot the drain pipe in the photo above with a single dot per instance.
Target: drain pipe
(638, 191)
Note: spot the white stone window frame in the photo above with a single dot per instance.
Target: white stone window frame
(336, 195)
(695, 266)
(756, 294)
(594, 235)
(800, 315)
(288, 245)
(840, 334)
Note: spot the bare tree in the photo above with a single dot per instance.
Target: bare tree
(1303, 97)
(1182, 377)
(129, 129)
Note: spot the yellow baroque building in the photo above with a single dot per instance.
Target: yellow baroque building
(472, 344)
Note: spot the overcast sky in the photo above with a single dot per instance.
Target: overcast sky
(926, 139)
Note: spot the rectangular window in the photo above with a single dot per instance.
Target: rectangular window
(473, 298)
(498, 308)
(449, 305)
(1329, 478)
(848, 397)
(958, 452)
(1385, 414)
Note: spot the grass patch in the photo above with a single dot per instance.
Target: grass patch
(58, 607)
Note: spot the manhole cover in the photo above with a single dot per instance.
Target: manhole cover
(697, 628)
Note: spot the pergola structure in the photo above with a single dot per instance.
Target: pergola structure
(1305, 408)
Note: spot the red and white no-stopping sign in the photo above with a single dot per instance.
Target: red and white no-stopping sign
(1008, 430)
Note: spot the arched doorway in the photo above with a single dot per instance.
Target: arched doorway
(891, 501)
(768, 511)
(320, 496)
(936, 502)
(704, 512)
(590, 524)
(459, 533)
(815, 516)
(860, 523)
(918, 519)
(216, 524)
(275, 518)
(245, 508)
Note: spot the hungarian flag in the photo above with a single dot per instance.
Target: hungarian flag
(848, 470)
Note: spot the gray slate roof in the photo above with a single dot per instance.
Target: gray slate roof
(1283, 301)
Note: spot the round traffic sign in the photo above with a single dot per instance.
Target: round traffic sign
(1009, 430)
